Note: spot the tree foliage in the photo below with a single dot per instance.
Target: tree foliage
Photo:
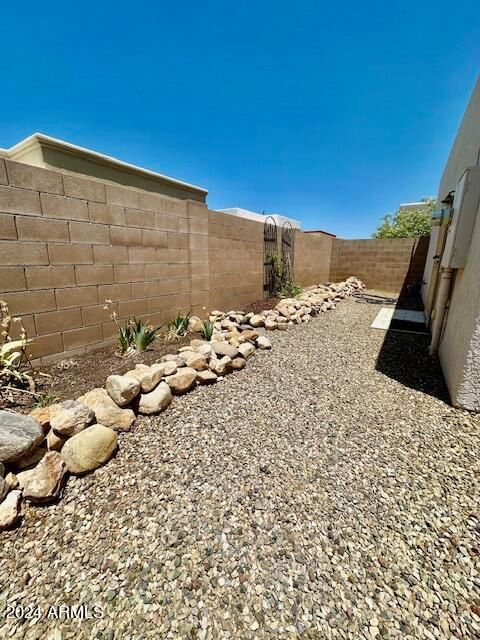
(406, 223)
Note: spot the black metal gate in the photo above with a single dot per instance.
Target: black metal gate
(288, 248)
(269, 255)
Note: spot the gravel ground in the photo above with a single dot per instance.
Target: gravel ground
(308, 496)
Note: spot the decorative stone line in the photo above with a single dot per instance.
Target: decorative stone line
(77, 436)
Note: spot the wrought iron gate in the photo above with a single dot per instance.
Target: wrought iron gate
(269, 251)
(288, 247)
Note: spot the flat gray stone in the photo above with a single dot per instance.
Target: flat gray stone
(70, 417)
(224, 349)
(19, 434)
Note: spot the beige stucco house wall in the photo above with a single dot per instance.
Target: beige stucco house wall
(459, 348)
(51, 153)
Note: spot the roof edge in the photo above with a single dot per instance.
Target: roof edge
(96, 156)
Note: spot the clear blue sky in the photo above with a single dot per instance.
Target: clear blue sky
(332, 113)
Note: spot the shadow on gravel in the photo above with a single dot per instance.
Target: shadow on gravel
(404, 357)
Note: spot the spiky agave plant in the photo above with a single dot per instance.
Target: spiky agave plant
(207, 330)
(143, 335)
(178, 326)
(134, 334)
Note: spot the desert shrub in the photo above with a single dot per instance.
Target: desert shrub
(47, 399)
(14, 361)
(283, 280)
(178, 326)
(134, 334)
(207, 330)
(289, 290)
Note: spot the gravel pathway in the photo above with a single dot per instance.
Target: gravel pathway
(308, 496)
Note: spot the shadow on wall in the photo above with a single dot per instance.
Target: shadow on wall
(404, 356)
(409, 296)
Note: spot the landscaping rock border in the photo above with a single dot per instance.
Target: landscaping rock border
(78, 436)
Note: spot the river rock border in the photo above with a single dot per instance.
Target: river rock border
(39, 451)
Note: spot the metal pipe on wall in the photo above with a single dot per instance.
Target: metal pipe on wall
(443, 295)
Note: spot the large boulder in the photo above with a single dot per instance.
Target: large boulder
(224, 349)
(122, 389)
(257, 321)
(195, 344)
(221, 366)
(4, 488)
(205, 350)
(42, 415)
(197, 361)
(155, 401)
(69, 417)
(206, 377)
(54, 441)
(246, 349)
(106, 410)
(148, 377)
(19, 435)
(182, 381)
(10, 510)
(45, 482)
(195, 324)
(263, 343)
(249, 335)
(165, 368)
(178, 358)
(89, 449)
(238, 363)
(31, 458)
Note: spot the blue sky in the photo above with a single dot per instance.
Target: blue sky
(332, 113)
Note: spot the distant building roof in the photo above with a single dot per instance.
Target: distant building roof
(326, 233)
(259, 217)
(414, 205)
(44, 151)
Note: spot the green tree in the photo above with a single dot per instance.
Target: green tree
(406, 223)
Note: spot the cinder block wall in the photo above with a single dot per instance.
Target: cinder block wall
(236, 261)
(67, 244)
(312, 257)
(389, 264)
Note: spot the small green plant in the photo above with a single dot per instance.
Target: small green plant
(134, 334)
(143, 335)
(178, 327)
(14, 360)
(47, 399)
(207, 330)
(283, 283)
(290, 290)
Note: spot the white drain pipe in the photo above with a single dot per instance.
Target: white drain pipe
(443, 294)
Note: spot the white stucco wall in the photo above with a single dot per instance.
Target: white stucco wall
(460, 345)
(465, 152)
(459, 349)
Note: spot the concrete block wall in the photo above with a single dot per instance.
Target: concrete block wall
(236, 261)
(68, 243)
(312, 256)
(389, 264)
